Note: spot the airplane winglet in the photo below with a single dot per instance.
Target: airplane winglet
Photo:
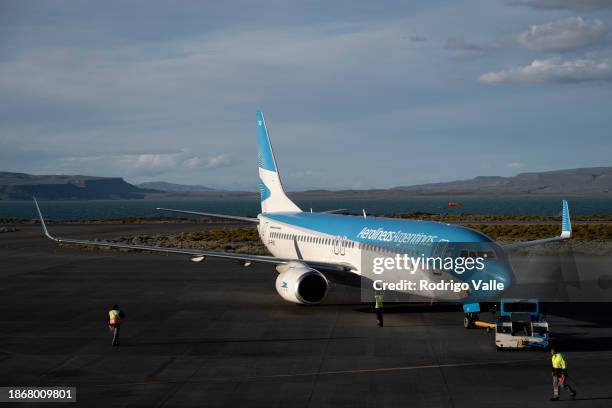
(566, 233)
(566, 223)
(42, 220)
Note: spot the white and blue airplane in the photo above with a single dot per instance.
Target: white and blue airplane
(311, 249)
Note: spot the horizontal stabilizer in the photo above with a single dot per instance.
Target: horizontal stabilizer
(204, 214)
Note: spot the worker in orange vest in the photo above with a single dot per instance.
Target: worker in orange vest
(115, 317)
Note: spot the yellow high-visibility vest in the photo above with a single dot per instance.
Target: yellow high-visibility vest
(379, 303)
(113, 316)
(558, 361)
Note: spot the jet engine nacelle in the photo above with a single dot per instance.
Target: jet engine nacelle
(297, 283)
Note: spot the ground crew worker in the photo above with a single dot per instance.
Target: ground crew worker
(378, 308)
(559, 374)
(115, 316)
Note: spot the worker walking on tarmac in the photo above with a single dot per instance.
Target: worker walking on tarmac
(378, 308)
(115, 317)
(559, 374)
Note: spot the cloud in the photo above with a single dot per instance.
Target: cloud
(586, 5)
(553, 70)
(466, 50)
(135, 165)
(563, 35)
(515, 165)
(146, 163)
(215, 162)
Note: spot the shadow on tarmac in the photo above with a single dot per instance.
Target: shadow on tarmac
(570, 342)
(411, 308)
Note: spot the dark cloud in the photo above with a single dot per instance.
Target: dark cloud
(580, 5)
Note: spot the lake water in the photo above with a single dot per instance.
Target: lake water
(106, 209)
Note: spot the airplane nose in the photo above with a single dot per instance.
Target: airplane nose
(502, 272)
(492, 282)
(505, 274)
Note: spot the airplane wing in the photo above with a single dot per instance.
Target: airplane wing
(195, 254)
(566, 233)
(204, 214)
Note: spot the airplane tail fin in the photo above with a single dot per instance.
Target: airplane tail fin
(273, 197)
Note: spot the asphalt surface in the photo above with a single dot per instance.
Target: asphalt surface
(216, 334)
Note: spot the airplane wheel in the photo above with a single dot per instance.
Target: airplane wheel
(468, 321)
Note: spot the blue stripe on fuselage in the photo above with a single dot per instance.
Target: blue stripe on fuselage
(352, 227)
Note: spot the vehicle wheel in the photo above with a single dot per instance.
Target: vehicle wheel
(467, 322)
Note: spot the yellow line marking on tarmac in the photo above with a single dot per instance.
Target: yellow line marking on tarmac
(337, 372)
(385, 369)
(544, 361)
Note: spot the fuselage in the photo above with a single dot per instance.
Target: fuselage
(356, 241)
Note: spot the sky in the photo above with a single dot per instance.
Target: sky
(355, 94)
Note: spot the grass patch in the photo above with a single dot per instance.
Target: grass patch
(527, 232)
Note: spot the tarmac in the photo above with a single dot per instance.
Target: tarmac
(216, 334)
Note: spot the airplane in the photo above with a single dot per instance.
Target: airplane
(311, 249)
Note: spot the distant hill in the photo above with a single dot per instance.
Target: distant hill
(594, 180)
(174, 188)
(584, 181)
(21, 186)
